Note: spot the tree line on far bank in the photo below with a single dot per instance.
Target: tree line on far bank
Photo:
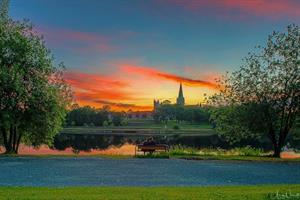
(89, 116)
(192, 114)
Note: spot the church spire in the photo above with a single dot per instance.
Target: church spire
(180, 98)
(180, 91)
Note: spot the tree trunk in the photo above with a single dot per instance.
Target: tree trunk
(18, 143)
(9, 148)
(277, 151)
(12, 145)
(4, 137)
(276, 144)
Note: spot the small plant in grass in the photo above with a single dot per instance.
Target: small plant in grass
(248, 151)
(283, 196)
(181, 150)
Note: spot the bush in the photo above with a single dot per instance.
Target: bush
(179, 150)
(176, 127)
(105, 123)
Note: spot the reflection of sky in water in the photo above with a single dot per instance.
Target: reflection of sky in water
(126, 149)
(92, 144)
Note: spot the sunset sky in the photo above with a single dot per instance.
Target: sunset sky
(125, 53)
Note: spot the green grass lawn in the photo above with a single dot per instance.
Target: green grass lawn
(144, 127)
(161, 193)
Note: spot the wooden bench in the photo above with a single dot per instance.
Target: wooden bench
(151, 148)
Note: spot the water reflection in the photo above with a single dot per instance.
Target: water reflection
(89, 144)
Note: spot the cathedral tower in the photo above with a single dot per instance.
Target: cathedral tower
(156, 104)
(180, 98)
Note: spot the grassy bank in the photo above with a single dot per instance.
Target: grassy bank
(239, 154)
(144, 127)
(115, 193)
(164, 156)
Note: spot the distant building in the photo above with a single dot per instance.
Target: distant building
(180, 101)
(139, 114)
(156, 104)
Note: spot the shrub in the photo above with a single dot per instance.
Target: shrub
(248, 151)
(105, 123)
(176, 127)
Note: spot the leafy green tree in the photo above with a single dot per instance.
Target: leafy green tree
(263, 96)
(86, 115)
(164, 112)
(33, 94)
(118, 118)
(237, 122)
(201, 115)
(192, 114)
(188, 114)
(179, 113)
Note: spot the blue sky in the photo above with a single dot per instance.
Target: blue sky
(194, 39)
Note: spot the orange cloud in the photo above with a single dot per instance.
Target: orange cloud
(90, 81)
(146, 71)
(242, 8)
(90, 88)
(128, 91)
(122, 106)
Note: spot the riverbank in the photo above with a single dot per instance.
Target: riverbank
(259, 192)
(164, 156)
(175, 152)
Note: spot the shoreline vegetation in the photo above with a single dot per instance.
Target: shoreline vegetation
(180, 152)
(257, 192)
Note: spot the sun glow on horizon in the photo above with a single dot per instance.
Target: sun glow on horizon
(134, 91)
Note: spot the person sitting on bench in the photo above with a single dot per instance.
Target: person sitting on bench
(149, 142)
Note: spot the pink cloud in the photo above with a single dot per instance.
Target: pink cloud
(207, 72)
(240, 9)
(78, 41)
